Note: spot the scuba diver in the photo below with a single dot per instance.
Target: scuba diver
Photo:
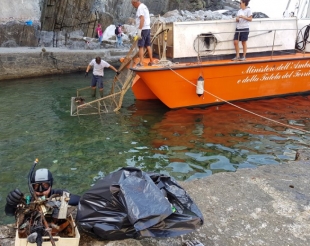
(41, 182)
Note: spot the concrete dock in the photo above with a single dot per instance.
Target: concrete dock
(269, 206)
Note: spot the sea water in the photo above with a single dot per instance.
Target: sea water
(183, 143)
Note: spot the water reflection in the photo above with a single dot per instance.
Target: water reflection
(224, 138)
(184, 143)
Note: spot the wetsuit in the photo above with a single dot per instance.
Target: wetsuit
(74, 201)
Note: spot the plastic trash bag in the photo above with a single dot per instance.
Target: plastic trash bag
(130, 203)
(257, 15)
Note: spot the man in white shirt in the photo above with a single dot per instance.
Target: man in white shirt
(98, 72)
(143, 23)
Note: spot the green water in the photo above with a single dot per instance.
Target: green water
(185, 143)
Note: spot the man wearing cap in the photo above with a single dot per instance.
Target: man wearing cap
(42, 182)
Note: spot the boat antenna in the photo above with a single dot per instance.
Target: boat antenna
(297, 7)
(305, 5)
(285, 13)
(288, 4)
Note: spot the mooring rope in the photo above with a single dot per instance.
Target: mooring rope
(234, 105)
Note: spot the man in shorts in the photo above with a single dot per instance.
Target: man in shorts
(143, 23)
(98, 72)
(244, 16)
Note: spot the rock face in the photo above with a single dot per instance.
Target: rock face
(44, 22)
(46, 61)
(13, 34)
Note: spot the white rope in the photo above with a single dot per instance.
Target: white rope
(266, 118)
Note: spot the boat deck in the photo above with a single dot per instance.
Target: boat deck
(223, 62)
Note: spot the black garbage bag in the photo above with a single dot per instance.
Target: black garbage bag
(257, 15)
(130, 203)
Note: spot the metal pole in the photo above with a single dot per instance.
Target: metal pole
(308, 11)
(288, 4)
(274, 37)
(303, 10)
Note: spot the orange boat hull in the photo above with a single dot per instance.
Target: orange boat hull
(141, 90)
(224, 80)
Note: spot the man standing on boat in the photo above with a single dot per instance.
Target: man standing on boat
(97, 79)
(244, 16)
(143, 22)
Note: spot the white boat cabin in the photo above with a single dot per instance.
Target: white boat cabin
(214, 39)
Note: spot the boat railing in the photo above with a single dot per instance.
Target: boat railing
(159, 36)
(207, 43)
(274, 43)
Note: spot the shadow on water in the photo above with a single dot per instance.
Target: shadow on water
(184, 143)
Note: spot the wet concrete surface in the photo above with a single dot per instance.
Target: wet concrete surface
(268, 206)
